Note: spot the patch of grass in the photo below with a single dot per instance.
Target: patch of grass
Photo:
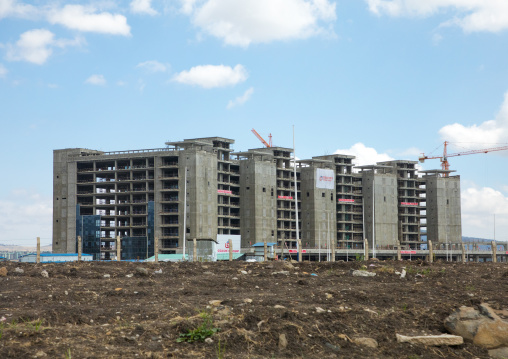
(34, 325)
(359, 257)
(470, 288)
(1, 330)
(220, 350)
(404, 307)
(203, 331)
(68, 354)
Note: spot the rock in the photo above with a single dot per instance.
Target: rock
(209, 341)
(328, 296)
(283, 342)
(142, 271)
(335, 348)
(482, 326)
(158, 271)
(374, 259)
(320, 310)
(366, 342)
(500, 353)
(432, 340)
(130, 275)
(284, 272)
(362, 273)
(19, 270)
(288, 265)
(279, 306)
(45, 274)
(244, 272)
(403, 274)
(207, 273)
(3, 272)
(247, 300)
(107, 276)
(492, 335)
(215, 303)
(40, 354)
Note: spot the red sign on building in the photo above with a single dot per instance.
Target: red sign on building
(346, 200)
(409, 203)
(285, 197)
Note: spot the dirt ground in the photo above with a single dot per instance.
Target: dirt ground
(81, 312)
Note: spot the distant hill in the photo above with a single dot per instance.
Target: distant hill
(475, 239)
(14, 248)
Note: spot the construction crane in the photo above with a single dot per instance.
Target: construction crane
(267, 144)
(445, 165)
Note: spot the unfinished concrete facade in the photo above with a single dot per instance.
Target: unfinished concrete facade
(442, 207)
(380, 206)
(139, 196)
(318, 210)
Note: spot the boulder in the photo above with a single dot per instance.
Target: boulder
(431, 340)
(362, 273)
(283, 342)
(366, 342)
(500, 353)
(3, 272)
(482, 326)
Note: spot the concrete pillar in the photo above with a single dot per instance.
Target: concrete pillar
(399, 255)
(333, 251)
(300, 250)
(366, 249)
(431, 251)
(230, 250)
(494, 251)
(79, 248)
(266, 250)
(195, 250)
(118, 252)
(156, 250)
(38, 260)
(463, 253)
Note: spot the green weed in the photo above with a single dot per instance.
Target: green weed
(68, 354)
(203, 331)
(220, 350)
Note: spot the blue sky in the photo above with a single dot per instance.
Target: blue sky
(381, 79)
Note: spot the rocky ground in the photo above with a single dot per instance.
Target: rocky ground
(243, 310)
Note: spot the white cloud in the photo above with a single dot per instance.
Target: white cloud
(479, 205)
(153, 66)
(3, 71)
(12, 8)
(244, 22)
(488, 132)
(364, 155)
(240, 100)
(210, 76)
(142, 7)
(36, 46)
(24, 216)
(86, 18)
(98, 80)
(470, 15)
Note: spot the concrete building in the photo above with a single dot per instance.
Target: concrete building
(442, 206)
(142, 195)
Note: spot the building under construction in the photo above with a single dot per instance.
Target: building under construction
(201, 188)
